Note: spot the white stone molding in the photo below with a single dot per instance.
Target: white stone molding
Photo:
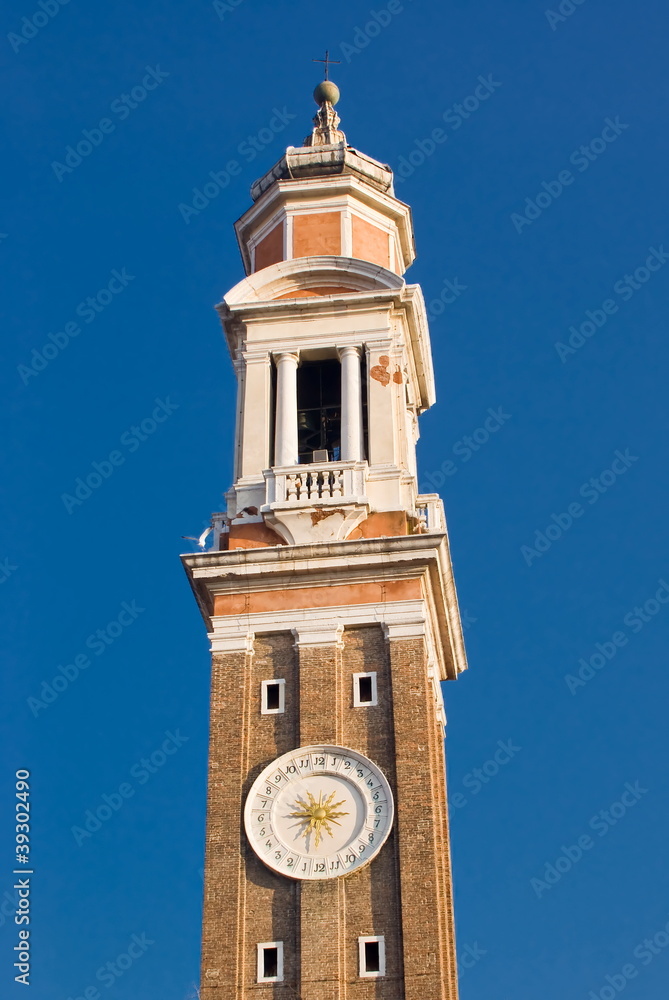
(233, 641)
(318, 632)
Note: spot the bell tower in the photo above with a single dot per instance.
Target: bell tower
(329, 600)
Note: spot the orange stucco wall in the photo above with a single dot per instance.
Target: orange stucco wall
(317, 233)
(370, 242)
(270, 249)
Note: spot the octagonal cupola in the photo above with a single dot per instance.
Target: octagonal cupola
(326, 198)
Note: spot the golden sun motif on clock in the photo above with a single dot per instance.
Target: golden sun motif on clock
(318, 814)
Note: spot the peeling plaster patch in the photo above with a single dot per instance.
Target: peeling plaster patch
(320, 515)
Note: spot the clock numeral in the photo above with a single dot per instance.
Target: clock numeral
(291, 769)
(263, 832)
(378, 809)
(377, 824)
(362, 848)
(370, 783)
(334, 761)
(334, 865)
(319, 762)
(347, 765)
(269, 790)
(320, 867)
(261, 818)
(376, 796)
(290, 862)
(370, 838)
(361, 773)
(269, 843)
(350, 858)
(305, 763)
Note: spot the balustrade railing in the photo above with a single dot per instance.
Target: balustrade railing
(317, 482)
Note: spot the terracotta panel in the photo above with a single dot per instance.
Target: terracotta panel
(317, 597)
(370, 242)
(270, 249)
(317, 233)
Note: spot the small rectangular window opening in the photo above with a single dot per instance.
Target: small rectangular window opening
(270, 962)
(273, 697)
(364, 690)
(372, 957)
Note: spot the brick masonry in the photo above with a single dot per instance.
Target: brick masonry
(404, 894)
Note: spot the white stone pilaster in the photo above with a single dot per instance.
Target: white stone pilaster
(253, 442)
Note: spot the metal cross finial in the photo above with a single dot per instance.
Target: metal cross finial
(328, 62)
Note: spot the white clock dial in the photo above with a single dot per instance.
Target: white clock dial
(319, 812)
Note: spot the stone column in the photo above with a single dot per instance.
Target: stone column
(351, 405)
(285, 437)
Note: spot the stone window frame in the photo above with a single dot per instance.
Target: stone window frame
(262, 947)
(357, 702)
(362, 959)
(281, 682)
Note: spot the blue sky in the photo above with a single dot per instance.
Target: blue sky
(522, 235)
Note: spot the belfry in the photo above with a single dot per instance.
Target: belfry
(329, 600)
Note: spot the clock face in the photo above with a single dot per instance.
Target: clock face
(318, 812)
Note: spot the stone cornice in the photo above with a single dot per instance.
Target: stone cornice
(327, 564)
